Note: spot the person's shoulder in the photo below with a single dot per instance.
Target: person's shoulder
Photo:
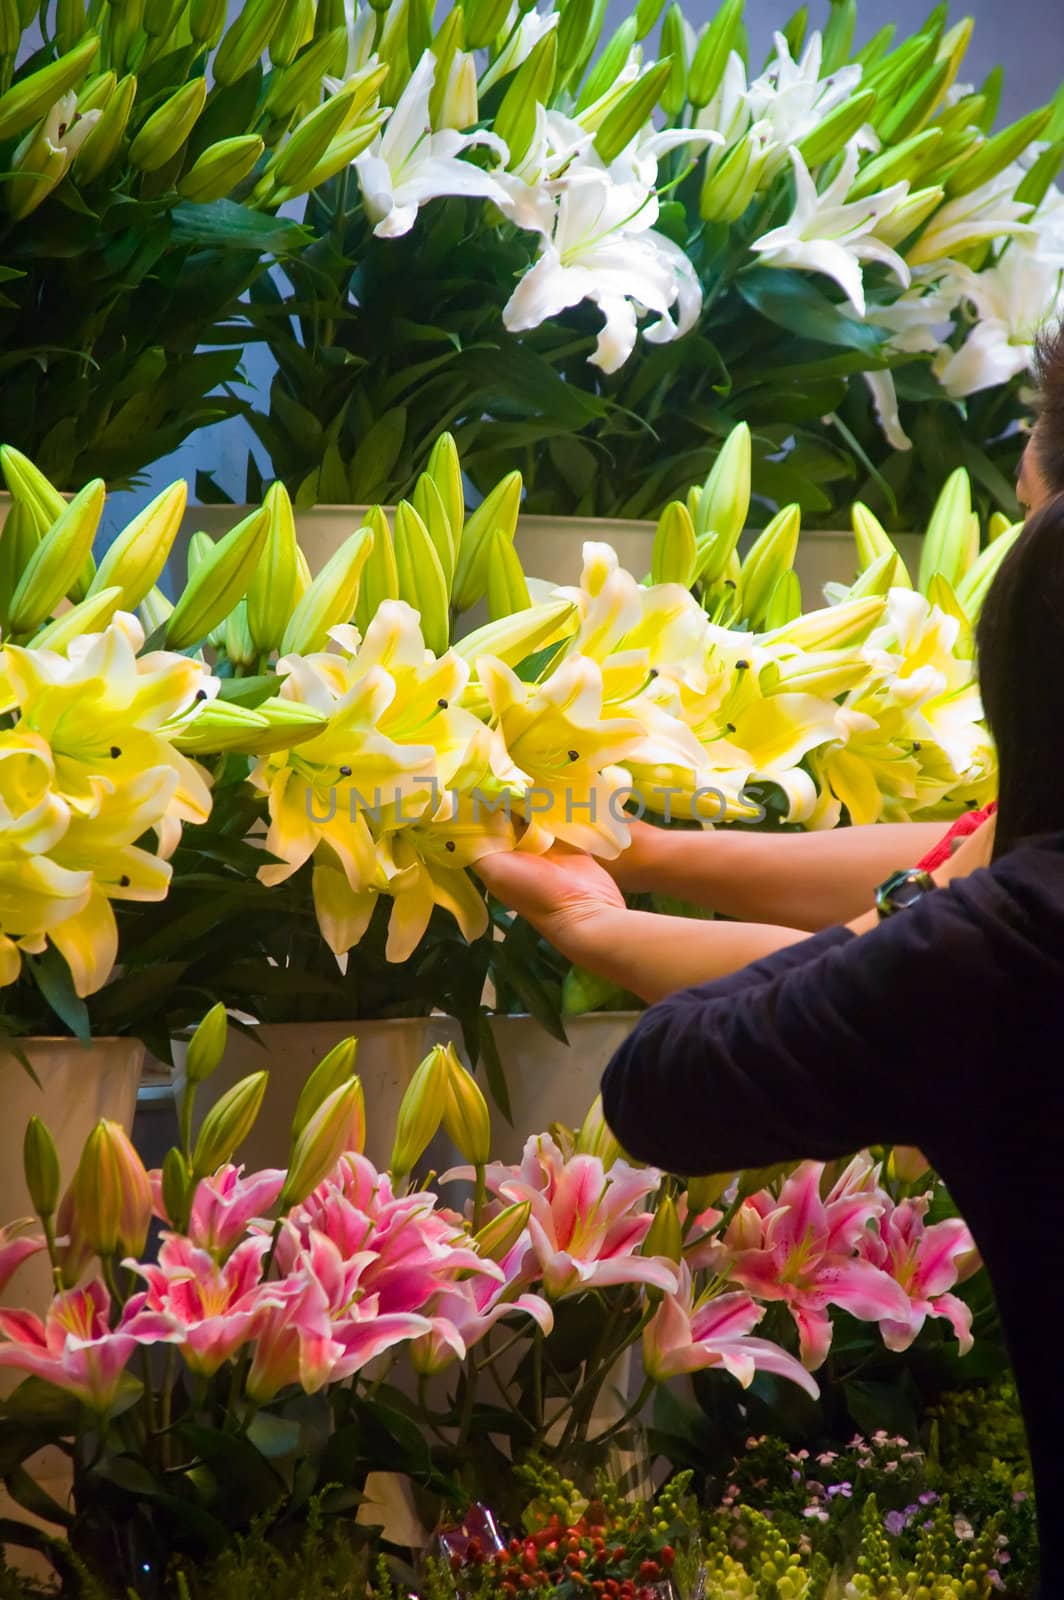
(1023, 890)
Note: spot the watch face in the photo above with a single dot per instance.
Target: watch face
(902, 889)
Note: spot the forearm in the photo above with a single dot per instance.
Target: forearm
(652, 956)
(802, 881)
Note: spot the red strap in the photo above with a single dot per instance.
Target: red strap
(961, 828)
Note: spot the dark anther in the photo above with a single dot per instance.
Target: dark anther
(442, 704)
(917, 746)
(730, 727)
(741, 666)
(115, 752)
(201, 694)
(345, 772)
(574, 755)
(125, 880)
(449, 844)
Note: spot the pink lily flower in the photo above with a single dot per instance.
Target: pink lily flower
(803, 1250)
(223, 1205)
(14, 1251)
(586, 1223)
(74, 1348)
(688, 1335)
(926, 1263)
(465, 1312)
(213, 1310)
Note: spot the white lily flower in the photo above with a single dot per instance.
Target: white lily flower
(361, 26)
(919, 322)
(792, 97)
(989, 212)
(826, 233)
(521, 38)
(1011, 301)
(599, 244)
(728, 113)
(639, 162)
(408, 164)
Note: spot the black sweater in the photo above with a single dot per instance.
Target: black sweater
(941, 1028)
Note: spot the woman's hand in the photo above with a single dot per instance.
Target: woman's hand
(640, 868)
(564, 895)
(973, 852)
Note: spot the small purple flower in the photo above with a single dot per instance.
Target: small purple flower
(929, 1498)
(895, 1523)
(845, 1489)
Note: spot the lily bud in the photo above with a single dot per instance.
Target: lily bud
(88, 616)
(458, 105)
(43, 158)
(674, 555)
(331, 598)
(10, 28)
(167, 129)
(336, 1127)
(831, 136)
(246, 39)
(578, 33)
(207, 1045)
(40, 1161)
(499, 509)
(309, 141)
(948, 532)
(483, 20)
(31, 99)
(30, 487)
(155, 610)
(711, 54)
(296, 29)
(785, 601)
(270, 592)
(497, 1238)
(830, 627)
(428, 503)
(73, 1253)
(705, 1192)
(446, 46)
(722, 507)
(104, 142)
(973, 587)
(228, 1123)
(339, 155)
(632, 111)
(871, 537)
(206, 21)
(998, 152)
(445, 470)
(530, 87)
(333, 1071)
(512, 639)
(176, 1189)
(421, 579)
(218, 583)
(420, 1112)
(886, 572)
(55, 564)
(111, 1193)
(239, 645)
(596, 1137)
(220, 168)
(731, 184)
(907, 1163)
(771, 554)
(608, 73)
(466, 1119)
(507, 589)
(95, 94)
(300, 84)
(137, 557)
(665, 1237)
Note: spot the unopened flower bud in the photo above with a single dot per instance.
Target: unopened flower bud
(220, 168)
(40, 1161)
(228, 1123)
(908, 1163)
(665, 1237)
(176, 1189)
(337, 1126)
(111, 1193)
(73, 1253)
(167, 129)
(421, 1111)
(466, 1119)
(595, 1137)
(43, 158)
(207, 1045)
(497, 1238)
(332, 1072)
(705, 1192)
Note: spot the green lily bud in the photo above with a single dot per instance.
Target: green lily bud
(665, 1236)
(911, 214)
(895, 164)
(947, 535)
(483, 20)
(227, 1124)
(26, 102)
(827, 673)
(301, 82)
(831, 627)
(507, 588)
(58, 558)
(785, 600)
(38, 167)
(272, 585)
(530, 86)
(200, 547)
(104, 143)
(578, 33)
(499, 509)
(1038, 181)
(973, 587)
(608, 67)
(287, 723)
(999, 525)
(632, 111)
(96, 92)
(771, 554)
(155, 609)
(445, 47)
(218, 583)
(339, 155)
(674, 46)
(206, 21)
(295, 29)
(445, 470)
(276, 724)
(177, 1189)
(161, 17)
(837, 39)
(647, 13)
(220, 168)
(711, 54)
(513, 639)
(596, 1137)
(916, 107)
(421, 579)
(901, 67)
(246, 39)
(10, 28)
(420, 1113)
(832, 135)
(135, 561)
(331, 598)
(380, 576)
(731, 184)
(111, 1193)
(674, 555)
(30, 487)
(88, 616)
(18, 541)
(40, 1162)
(705, 1192)
(998, 152)
(466, 1119)
(872, 539)
(309, 141)
(723, 504)
(207, 1045)
(239, 645)
(428, 503)
(886, 572)
(333, 1071)
(337, 1127)
(497, 1238)
(167, 129)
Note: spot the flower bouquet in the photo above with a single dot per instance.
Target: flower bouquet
(600, 262)
(300, 1329)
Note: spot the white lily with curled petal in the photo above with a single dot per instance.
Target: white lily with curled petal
(1011, 300)
(409, 164)
(828, 233)
(600, 244)
(988, 213)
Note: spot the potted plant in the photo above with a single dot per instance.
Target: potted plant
(148, 152)
(438, 286)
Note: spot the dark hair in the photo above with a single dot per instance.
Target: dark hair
(1049, 434)
(1020, 641)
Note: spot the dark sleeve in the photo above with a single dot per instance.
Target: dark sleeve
(829, 1045)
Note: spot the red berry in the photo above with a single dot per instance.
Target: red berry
(649, 1571)
(668, 1555)
(508, 1588)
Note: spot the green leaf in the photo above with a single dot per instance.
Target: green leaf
(52, 976)
(791, 301)
(226, 225)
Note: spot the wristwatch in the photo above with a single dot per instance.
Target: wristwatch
(903, 889)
